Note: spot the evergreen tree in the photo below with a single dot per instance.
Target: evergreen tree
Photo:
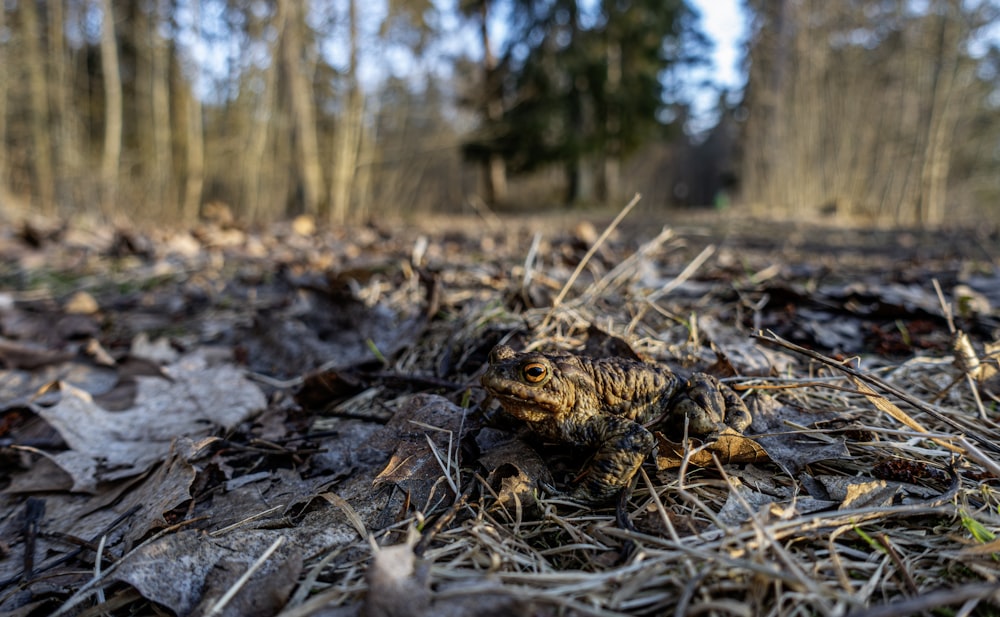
(586, 87)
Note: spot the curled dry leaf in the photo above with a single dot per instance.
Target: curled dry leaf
(515, 471)
(397, 586)
(729, 447)
(859, 492)
(81, 303)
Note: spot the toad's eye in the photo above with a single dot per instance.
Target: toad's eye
(534, 372)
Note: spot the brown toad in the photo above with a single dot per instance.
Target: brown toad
(603, 404)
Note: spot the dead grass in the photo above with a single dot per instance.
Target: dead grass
(910, 525)
(905, 521)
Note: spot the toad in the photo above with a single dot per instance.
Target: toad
(603, 405)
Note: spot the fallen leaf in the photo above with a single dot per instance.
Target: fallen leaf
(861, 492)
(734, 511)
(20, 388)
(415, 466)
(110, 445)
(22, 355)
(514, 470)
(396, 585)
(174, 570)
(81, 303)
(729, 446)
(263, 595)
(774, 427)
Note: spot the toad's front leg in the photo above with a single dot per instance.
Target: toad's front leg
(709, 406)
(622, 445)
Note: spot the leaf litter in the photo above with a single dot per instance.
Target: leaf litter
(288, 421)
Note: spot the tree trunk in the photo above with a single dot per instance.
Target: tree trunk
(941, 122)
(348, 133)
(194, 173)
(111, 157)
(66, 151)
(494, 167)
(300, 74)
(256, 189)
(44, 180)
(160, 104)
(611, 171)
(5, 59)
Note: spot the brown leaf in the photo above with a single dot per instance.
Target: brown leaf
(729, 446)
(321, 388)
(81, 303)
(859, 492)
(416, 465)
(515, 471)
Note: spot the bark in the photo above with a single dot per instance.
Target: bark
(941, 122)
(494, 167)
(5, 59)
(44, 180)
(195, 170)
(257, 190)
(160, 104)
(194, 175)
(66, 151)
(111, 157)
(348, 133)
(300, 72)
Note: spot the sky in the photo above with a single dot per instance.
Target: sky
(725, 23)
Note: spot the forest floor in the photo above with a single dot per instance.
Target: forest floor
(289, 421)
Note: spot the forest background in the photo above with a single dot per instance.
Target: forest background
(880, 111)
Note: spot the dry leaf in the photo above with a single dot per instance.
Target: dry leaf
(861, 492)
(774, 426)
(416, 466)
(110, 445)
(174, 571)
(82, 303)
(729, 446)
(515, 471)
